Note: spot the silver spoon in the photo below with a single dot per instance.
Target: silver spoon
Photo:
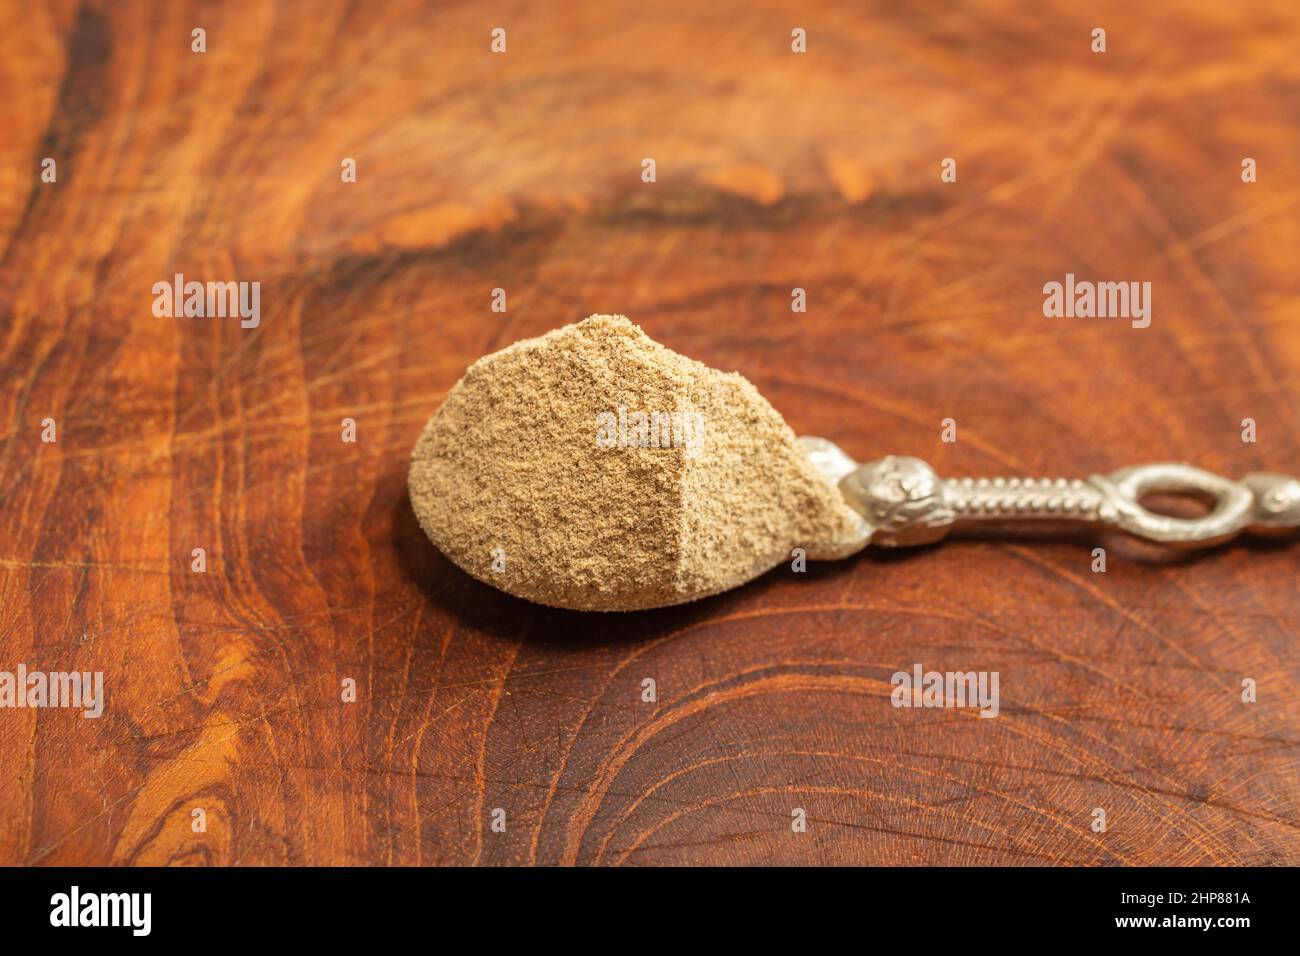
(905, 502)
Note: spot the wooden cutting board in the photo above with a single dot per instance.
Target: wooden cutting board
(225, 737)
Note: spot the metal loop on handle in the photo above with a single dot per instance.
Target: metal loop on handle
(1122, 506)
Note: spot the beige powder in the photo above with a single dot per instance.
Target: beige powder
(514, 481)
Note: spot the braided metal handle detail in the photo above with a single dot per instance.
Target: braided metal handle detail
(905, 502)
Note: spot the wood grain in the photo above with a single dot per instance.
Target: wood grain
(522, 171)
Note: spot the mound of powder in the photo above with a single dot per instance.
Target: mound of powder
(594, 469)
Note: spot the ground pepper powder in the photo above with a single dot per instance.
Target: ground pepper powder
(594, 469)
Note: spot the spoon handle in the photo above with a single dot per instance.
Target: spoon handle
(906, 503)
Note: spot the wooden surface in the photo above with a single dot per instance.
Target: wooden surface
(1119, 691)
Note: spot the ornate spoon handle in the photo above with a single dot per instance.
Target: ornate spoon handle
(906, 503)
